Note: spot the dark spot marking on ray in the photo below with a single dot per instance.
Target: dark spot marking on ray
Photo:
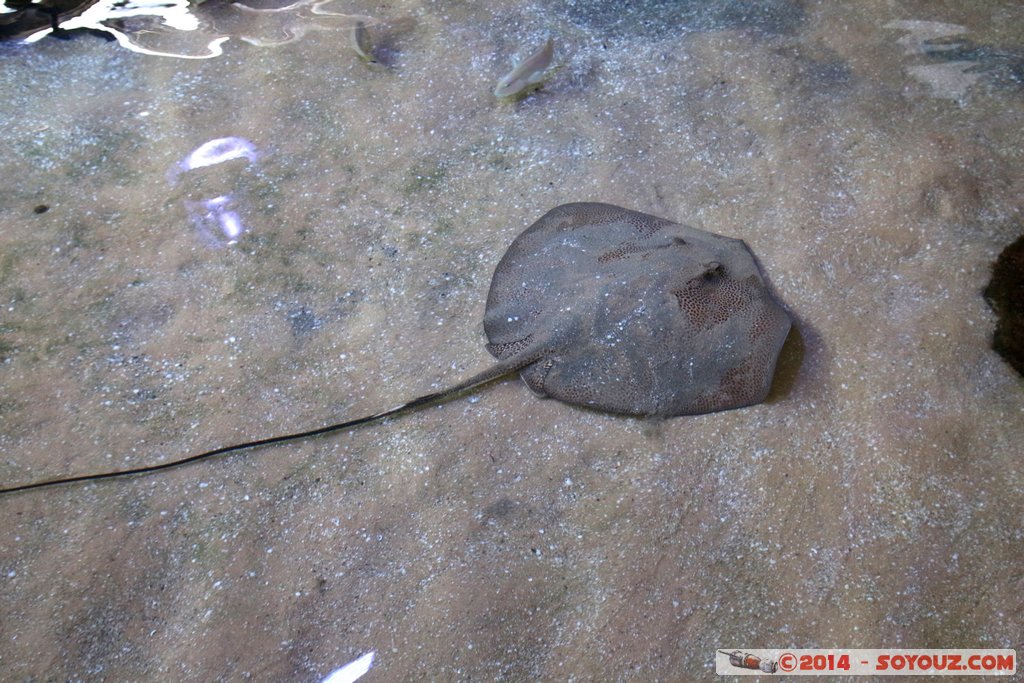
(613, 310)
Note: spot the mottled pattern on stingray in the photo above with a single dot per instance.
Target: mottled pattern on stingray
(634, 314)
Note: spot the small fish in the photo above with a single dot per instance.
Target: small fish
(527, 75)
(362, 44)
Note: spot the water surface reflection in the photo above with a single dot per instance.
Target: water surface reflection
(174, 28)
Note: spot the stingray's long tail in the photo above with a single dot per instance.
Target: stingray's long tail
(499, 370)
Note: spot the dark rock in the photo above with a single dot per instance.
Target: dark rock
(1005, 294)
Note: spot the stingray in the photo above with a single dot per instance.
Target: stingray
(613, 310)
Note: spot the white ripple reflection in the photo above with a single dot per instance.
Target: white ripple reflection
(190, 30)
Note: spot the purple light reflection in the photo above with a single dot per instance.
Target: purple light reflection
(217, 219)
(214, 152)
(216, 222)
(220, 150)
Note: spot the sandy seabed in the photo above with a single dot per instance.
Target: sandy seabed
(869, 154)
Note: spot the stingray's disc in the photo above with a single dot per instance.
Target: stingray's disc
(634, 314)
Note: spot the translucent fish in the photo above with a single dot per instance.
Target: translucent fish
(527, 75)
(362, 44)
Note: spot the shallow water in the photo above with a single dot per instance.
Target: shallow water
(869, 154)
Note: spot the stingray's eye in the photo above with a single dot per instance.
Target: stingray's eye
(713, 270)
(678, 240)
